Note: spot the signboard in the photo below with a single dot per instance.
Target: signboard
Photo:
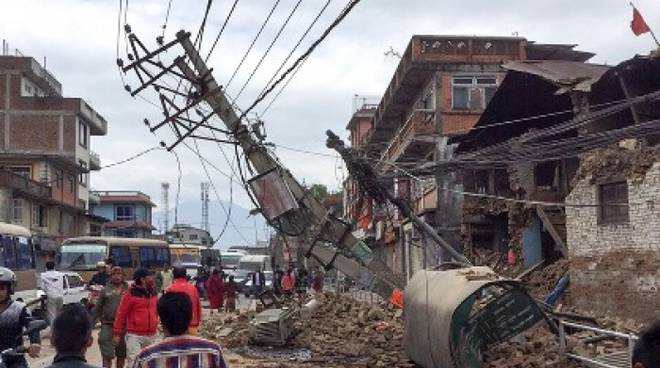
(272, 194)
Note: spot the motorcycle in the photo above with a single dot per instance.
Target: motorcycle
(33, 326)
(94, 294)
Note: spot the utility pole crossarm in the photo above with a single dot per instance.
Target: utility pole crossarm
(350, 255)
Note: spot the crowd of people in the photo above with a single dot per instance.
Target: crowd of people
(130, 315)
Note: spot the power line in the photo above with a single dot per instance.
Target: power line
(263, 25)
(222, 29)
(167, 18)
(200, 32)
(325, 34)
(295, 47)
(277, 36)
(132, 157)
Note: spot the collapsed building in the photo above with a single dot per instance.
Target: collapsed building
(439, 91)
(541, 156)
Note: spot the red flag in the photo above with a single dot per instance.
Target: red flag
(638, 24)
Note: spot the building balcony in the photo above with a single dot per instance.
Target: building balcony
(426, 55)
(97, 124)
(414, 140)
(94, 161)
(24, 186)
(94, 198)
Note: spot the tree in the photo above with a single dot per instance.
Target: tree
(319, 191)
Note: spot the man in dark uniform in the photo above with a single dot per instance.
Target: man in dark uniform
(14, 317)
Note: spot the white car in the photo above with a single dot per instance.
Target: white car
(74, 292)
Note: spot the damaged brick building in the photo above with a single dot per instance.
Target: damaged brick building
(576, 157)
(439, 90)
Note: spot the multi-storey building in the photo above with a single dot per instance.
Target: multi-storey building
(129, 214)
(45, 155)
(438, 91)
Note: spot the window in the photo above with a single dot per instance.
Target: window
(24, 171)
(153, 257)
(39, 216)
(8, 254)
(613, 200)
(193, 237)
(83, 176)
(58, 179)
(71, 184)
(74, 281)
(24, 254)
(82, 133)
(123, 213)
(121, 256)
(125, 233)
(472, 93)
(18, 210)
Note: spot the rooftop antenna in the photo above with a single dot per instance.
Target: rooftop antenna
(165, 199)
(205, 206)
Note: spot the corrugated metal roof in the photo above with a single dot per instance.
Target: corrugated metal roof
(569, 75)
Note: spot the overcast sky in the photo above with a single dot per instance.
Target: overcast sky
(79, 40)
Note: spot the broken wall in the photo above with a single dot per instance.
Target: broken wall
(615, 268)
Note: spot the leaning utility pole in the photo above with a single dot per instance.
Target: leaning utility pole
(368, 181)
(284, 202)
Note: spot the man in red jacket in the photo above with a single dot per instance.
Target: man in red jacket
(181, 285)
(136, 315)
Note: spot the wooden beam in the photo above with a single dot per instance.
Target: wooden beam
(553, 232)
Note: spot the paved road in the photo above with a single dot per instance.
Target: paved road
(93, 355)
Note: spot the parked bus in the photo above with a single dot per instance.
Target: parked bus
(187, 256)
(82, 254)
(17, 253)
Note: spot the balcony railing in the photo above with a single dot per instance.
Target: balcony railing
(416, 125)
(24, 185)
(94, 161)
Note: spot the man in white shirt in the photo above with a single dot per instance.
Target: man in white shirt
(52, 283)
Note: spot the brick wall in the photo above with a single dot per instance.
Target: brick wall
(34, 132)
(615, 269)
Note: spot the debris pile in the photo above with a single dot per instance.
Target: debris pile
(616, 161)
(541, 282)
(349, 332)
(537, 347)
(231, 330)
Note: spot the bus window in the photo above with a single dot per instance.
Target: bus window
(162, 257)
(8, 252)
(81, 256)
(121, 256)
(25, 255)
(147, 257)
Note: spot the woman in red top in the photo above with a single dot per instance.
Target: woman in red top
(288, 282)
(215, 290)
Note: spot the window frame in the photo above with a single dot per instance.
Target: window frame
(118, 260)
(83, 139)
(483, 87)
(124, 217)
(83, 176)
(14, 207)
(612, 219)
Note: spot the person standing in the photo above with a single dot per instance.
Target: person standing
(231, 290)
(178, 349)
(215, 290)
(317, 281)
(106, 310)
(258, 283)
(181, 285)
(164, 278)
(71, 336)
(52, 283)
(277, 280)
(301, 281)
(101, 277)
(136, 315)
(288, 282)
(14, 317)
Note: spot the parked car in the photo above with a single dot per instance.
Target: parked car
(240, 278)
(268, 275)
(74, 292)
